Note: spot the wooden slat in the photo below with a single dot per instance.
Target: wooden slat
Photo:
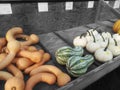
(70, 34)
(51, 42)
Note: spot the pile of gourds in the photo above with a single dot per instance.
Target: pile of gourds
(102, 46)
(20, 56)
(76, 64)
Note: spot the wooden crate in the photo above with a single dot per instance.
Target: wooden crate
(57, 27)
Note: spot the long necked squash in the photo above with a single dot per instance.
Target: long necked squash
(65, 52)
(77, 65)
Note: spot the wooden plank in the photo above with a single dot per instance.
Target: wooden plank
(69, 34)
(51, 42)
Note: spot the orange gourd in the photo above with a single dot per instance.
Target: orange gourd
(40, 77)
(33, 56)
(46, 57)
(14, 83)
(13, 47)
(116, 26)
(62, 78)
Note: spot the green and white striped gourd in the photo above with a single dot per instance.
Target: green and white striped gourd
(77, 65)
(65, 52)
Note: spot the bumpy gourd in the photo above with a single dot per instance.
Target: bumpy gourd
(103, 54)
(92, 46)
(77, 65)
(64, 53)
(80, 41)
(115, 49)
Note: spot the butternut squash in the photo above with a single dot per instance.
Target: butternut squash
(33, 56)
(46, 57)
(10, 35)
(62, 78)
(33, 39)
(23, 63)
(4, 75)
(13, 47)
(40, 77)
(15, 71)
(14, 83)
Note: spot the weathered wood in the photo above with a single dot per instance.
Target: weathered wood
(70, 34)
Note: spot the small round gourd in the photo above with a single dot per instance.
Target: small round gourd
(115, 49)
(103, 54)
(103, 43)
(89, 37)
(80, 41)
(92, 46)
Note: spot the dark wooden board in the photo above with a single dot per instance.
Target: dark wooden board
(69, 34)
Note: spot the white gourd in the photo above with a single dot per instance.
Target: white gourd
(89, 37)
(80, 41)
(92, 46)
(104, 34)
(103, 54)
(103, 42)
(117, 38)
(115, 49)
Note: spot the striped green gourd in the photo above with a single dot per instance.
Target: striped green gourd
(65, 52)
(77, 65)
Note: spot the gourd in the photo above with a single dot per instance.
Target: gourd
(106, 35)
(103, 54)
(10, 35)
(3, 42)
(77, 65)
(92, 46)
(94, 31)
(29, 48)
(46, 58)
(62, 78)
(35, 56)
(4, 75)
(48, 78)
(103, 43)
(14, 83)
(115, 49)
(21, 36)
(15, 71)
(22, 63)
(88, 36)
(13, 47)
(117, 38)
(116, 26)
(80, 41)
(65, 52)
(33, 39)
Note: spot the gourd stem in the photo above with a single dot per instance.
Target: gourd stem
(115, 42)
(13, 88)
(89, 33)
(93, 37)
(107, 45)
(83, 34)
(103, 38)
(95, 28)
